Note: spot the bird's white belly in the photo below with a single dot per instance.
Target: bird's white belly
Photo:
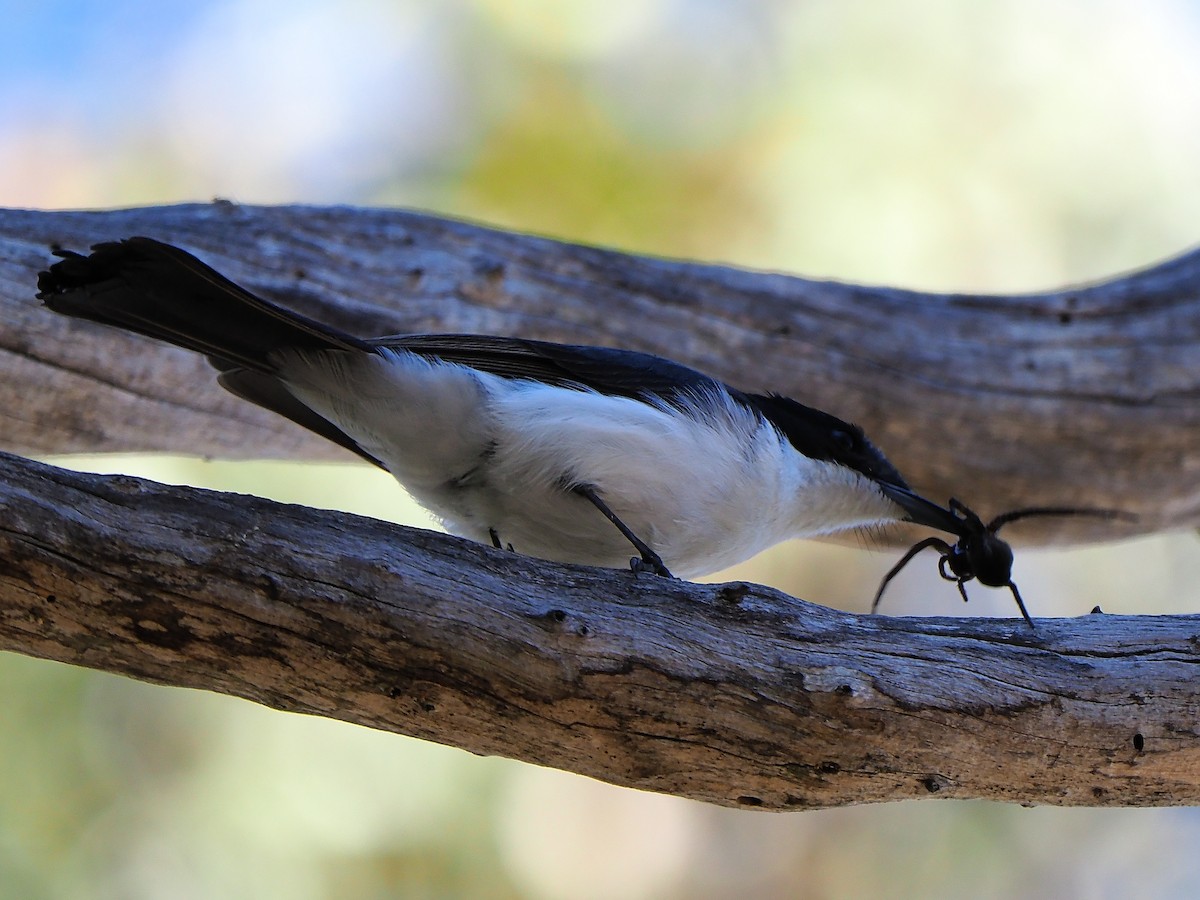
(679, 484)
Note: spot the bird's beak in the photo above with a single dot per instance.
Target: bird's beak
(919, 510)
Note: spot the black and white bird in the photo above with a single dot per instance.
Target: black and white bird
(567, 453)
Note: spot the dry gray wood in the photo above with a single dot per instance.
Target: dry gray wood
(1082, 396)
(734, 694)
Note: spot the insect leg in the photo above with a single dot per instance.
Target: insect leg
(916, 548)
(962, 590)
(971, 521)
(949, 576)
(1021, 604)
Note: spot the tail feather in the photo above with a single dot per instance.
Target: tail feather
(158, 290)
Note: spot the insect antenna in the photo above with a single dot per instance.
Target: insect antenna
(1029, 512)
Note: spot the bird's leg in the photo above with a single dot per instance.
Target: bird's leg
(495, 536)
(650, 561)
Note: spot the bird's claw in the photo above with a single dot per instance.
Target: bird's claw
(654, 565)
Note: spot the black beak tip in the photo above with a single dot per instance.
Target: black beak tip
(919, 510)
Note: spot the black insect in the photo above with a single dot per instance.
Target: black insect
(979, 553)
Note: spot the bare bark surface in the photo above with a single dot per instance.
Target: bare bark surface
(734, 694)
(1082, 396)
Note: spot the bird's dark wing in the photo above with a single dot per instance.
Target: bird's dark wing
(270, 393)
(621, 373)
(642, 376)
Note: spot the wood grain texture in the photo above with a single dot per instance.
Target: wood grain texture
(1082, 396)
(733, 694)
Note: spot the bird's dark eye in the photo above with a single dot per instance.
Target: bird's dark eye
(845, 441)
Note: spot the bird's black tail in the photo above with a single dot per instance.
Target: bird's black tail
(158, 290)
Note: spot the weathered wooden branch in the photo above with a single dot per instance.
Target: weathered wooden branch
(1087, 396)
(734, 694)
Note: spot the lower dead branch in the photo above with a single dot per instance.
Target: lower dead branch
(734, 694)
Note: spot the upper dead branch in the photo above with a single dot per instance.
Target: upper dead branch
(1081, 396)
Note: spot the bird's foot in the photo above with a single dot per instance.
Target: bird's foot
(650, 563)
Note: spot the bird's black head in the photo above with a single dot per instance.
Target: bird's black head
(819, 435)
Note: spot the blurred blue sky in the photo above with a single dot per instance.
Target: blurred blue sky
(90, 56)
(930, 143)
